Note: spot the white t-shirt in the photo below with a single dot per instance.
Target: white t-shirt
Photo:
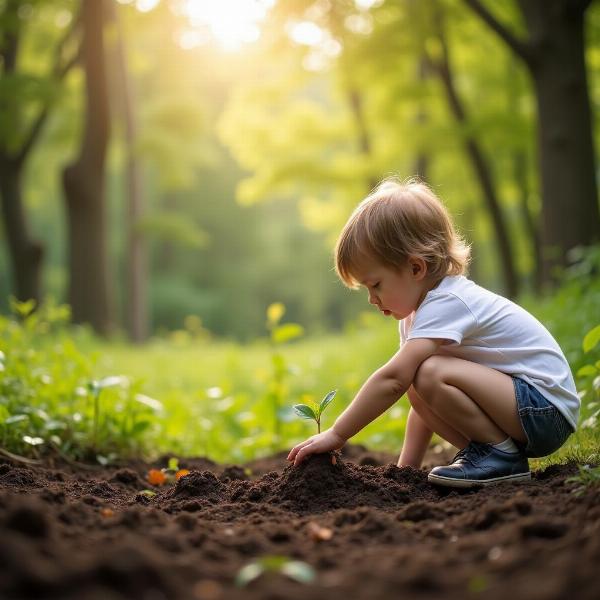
(490, 330)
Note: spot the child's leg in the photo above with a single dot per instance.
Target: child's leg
(477, 402)
(435, 423)
(420, 426)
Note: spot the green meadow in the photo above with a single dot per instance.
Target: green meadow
(63, 389)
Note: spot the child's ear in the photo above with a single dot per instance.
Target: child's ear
(418, 267)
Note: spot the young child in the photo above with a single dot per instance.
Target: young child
(479, 371)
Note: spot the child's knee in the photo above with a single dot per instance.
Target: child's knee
(429, 376)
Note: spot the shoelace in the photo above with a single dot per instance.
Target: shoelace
(470, 452)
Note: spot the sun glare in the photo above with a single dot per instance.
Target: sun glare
(231, 23)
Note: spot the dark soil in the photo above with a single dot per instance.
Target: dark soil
(68, 532)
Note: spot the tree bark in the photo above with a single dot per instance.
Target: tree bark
(84, 186)
(25, 253)
(555, 56)
(421, 168)
(136, 307)
(530, 224)
(364, 141)
(570, 214)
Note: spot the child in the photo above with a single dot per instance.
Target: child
(479, 371)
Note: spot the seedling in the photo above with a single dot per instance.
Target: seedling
(95, 388)
(315, 411)
(294, 569)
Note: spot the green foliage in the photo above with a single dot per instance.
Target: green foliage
(50, 400)
(315, 411)
(587, 477)
(277, 386)
(231, 402)
(589, 376)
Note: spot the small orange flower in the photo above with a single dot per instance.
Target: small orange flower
(181, 473)
(156, 477)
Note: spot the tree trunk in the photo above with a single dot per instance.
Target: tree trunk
(480, 166)
(136, 308)
(364, 141)
(554, 55)
(570, 214)
(25, 254)
(529, 222)
(84, 186)
(421, 168)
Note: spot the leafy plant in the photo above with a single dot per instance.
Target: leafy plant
(590, 375)
(50, 399)
(587, 476)
(294, 569)
(315, 410)
(277, 386)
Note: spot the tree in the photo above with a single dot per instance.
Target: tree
(554, 55)
(136, 309)
(84, 185)
(441, 65)
(19, 136)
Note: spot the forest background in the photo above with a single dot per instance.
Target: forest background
(176, 172)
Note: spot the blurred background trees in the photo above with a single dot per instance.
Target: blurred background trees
(212, 150)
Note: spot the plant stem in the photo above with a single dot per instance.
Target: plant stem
(96, 416)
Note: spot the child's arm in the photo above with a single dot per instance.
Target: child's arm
(379, 392)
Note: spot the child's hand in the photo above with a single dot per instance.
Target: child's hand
(317, 444)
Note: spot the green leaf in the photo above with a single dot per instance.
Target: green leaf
(287, 332)
(173, 464)
(327, 400)
(274, 313)
(248, 573)
(139, 427)
(23, 309)
(586, 371)
(591, 339)
(305, 411)
(16, 419)
(299, 571)
(147, 493)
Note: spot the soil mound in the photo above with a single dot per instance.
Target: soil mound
(325, 482)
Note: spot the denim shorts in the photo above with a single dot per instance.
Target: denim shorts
(545, 427)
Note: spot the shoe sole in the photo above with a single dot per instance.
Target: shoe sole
(467, 483)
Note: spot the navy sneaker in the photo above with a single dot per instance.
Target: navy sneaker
(481, 464)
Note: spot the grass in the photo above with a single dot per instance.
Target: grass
(185, 394)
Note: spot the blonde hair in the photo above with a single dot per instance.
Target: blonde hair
(398, 220)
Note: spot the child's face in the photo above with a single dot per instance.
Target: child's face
(395, 292)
